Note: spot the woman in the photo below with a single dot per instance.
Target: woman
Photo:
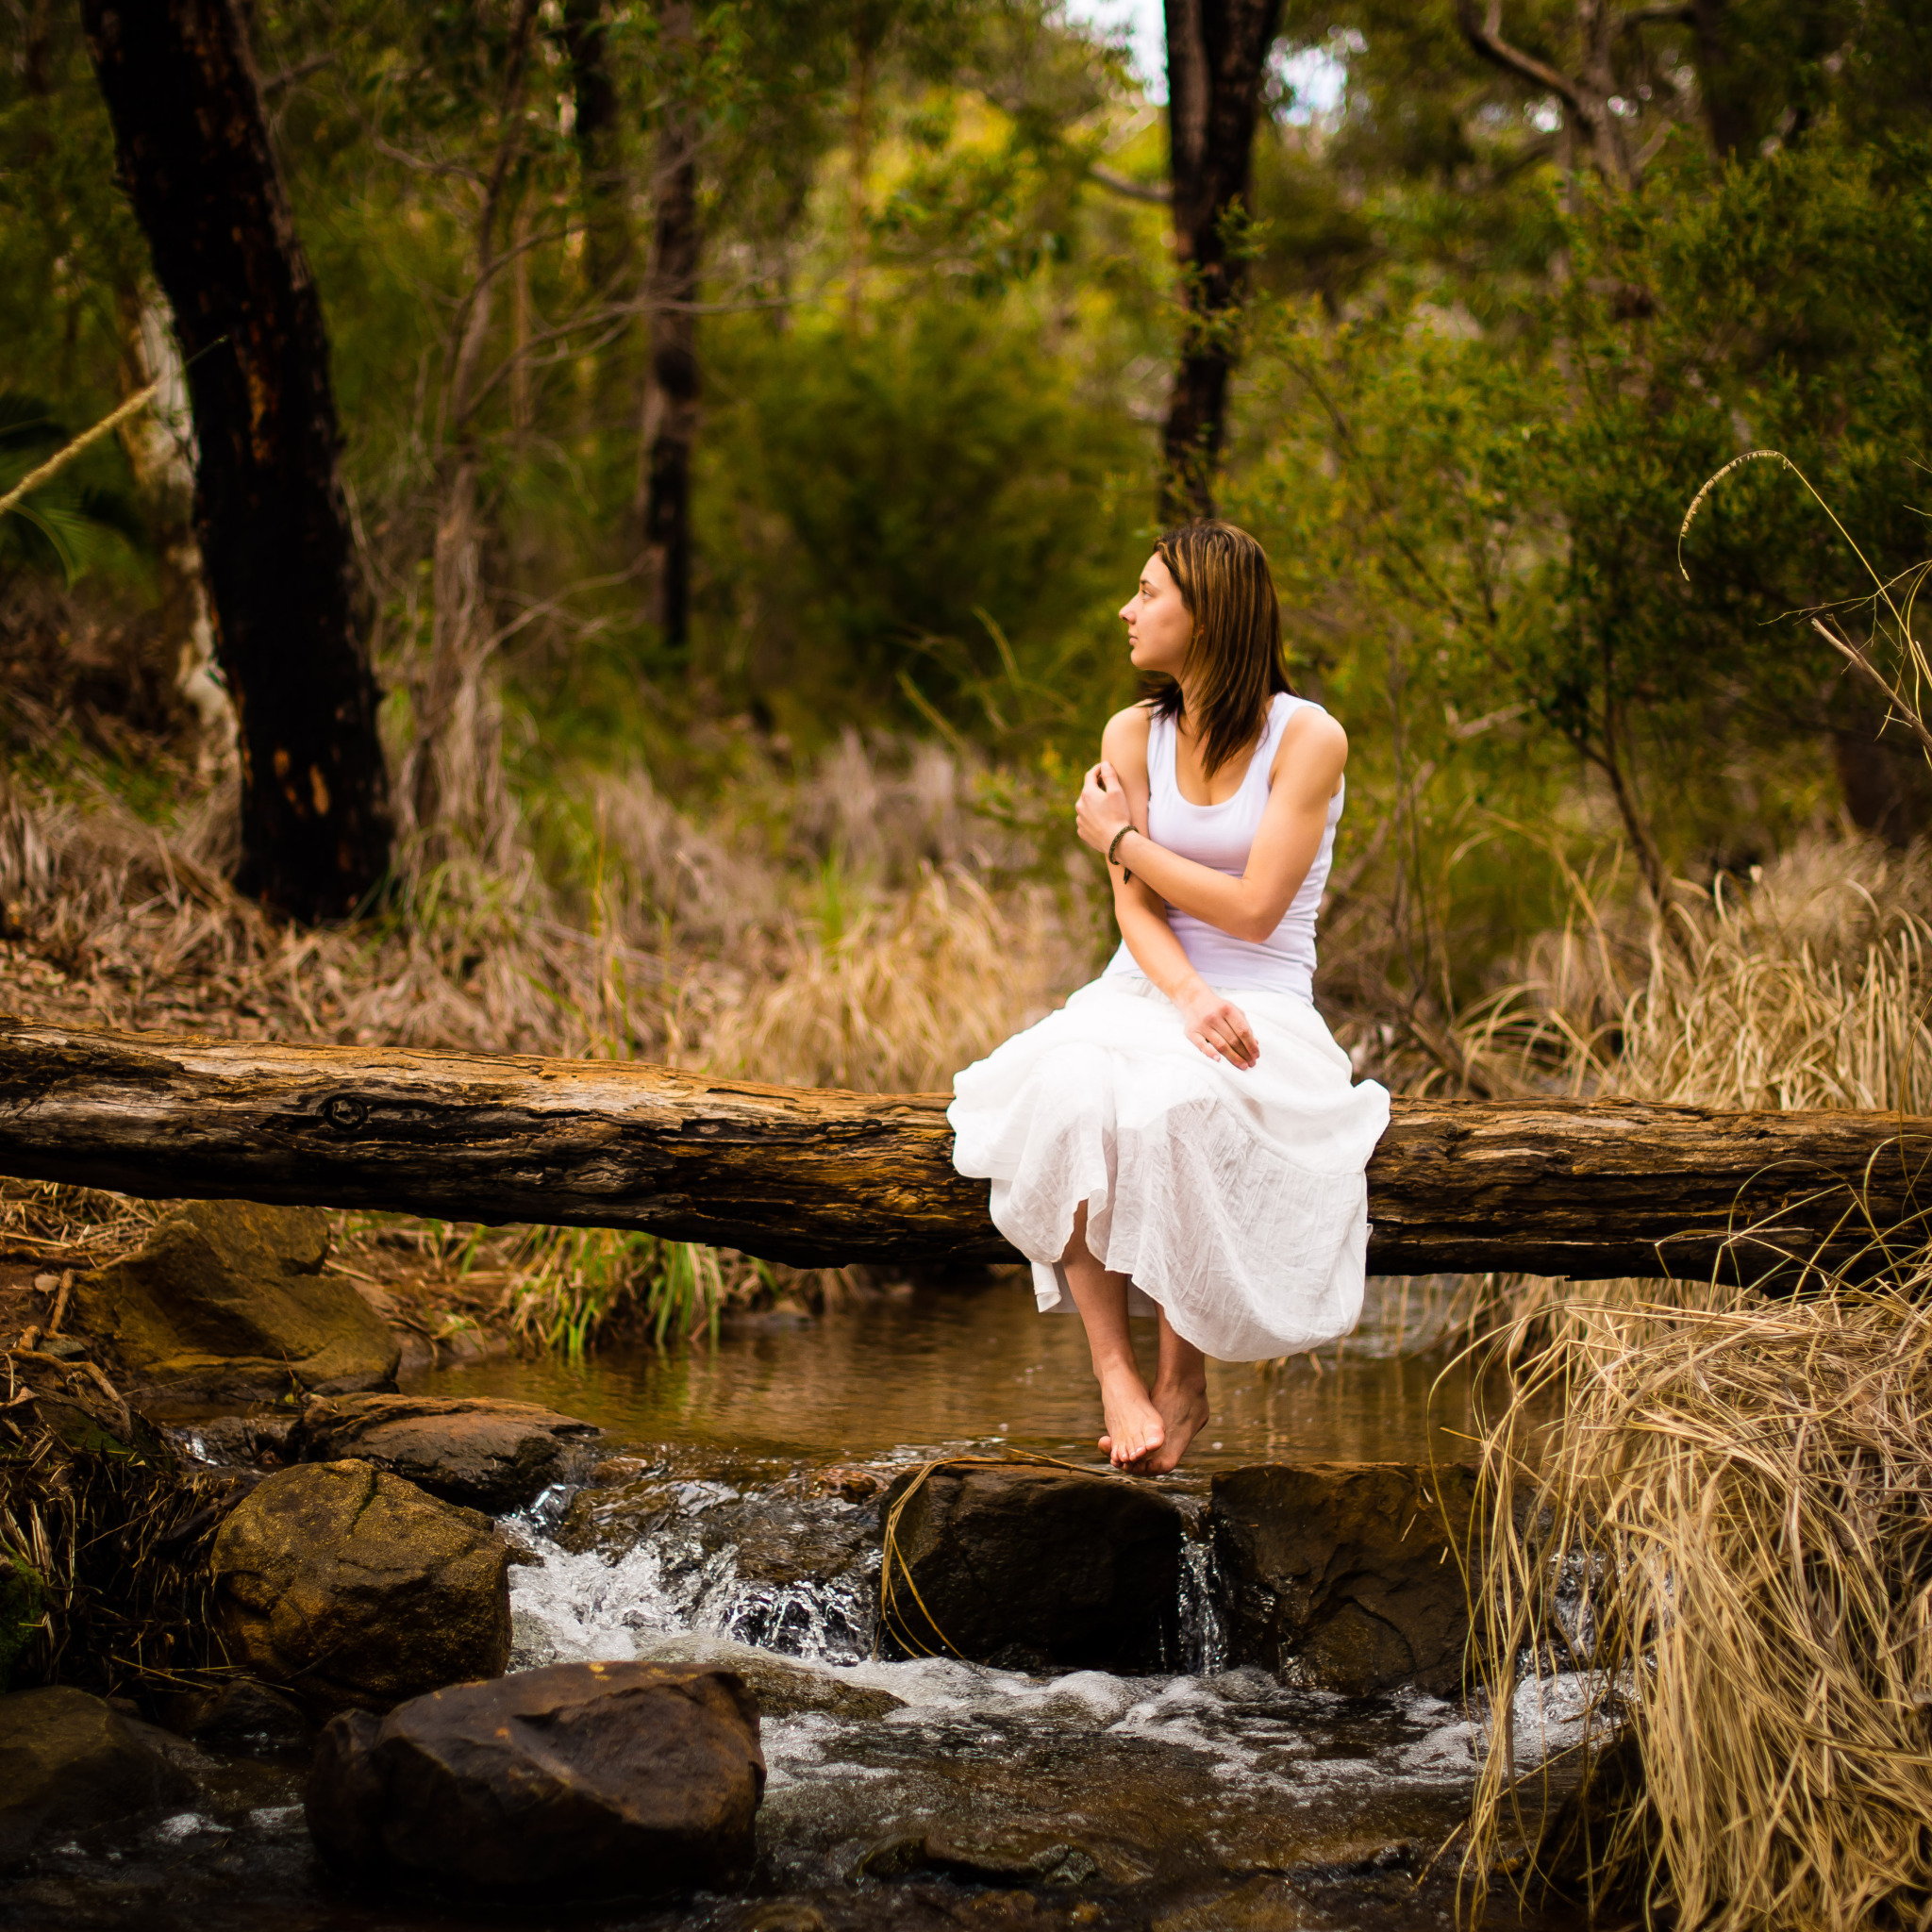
(1182, 1138)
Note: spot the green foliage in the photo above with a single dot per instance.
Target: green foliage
(575, 1283)
(23, 1605)
(945, 507)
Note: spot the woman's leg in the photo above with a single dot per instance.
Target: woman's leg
(1180, 1395)
(1134, 1429)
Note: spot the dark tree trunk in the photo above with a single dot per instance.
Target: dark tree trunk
(1216, 53)
(671, 395)
(607, 236)
(1720, 87)
(291, 622)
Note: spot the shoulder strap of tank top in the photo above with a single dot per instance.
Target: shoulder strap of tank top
(1160, 753)
(1281, 708)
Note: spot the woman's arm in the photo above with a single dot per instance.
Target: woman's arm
(1308, 767)
(1219, 1028)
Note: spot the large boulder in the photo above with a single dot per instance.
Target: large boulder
(69, 1761)
(583, 1777)
(346, 1585)
(1032, 1568)
(473, 1450)
(1346, 1576)
(226, 1301)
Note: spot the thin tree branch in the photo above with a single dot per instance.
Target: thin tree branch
(1486, 37)
(1856, 658)
(1129, 190)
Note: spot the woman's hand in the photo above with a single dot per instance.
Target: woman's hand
(1219, 1028)
(1103, 807)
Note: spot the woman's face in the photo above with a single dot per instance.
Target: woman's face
(1158, 623)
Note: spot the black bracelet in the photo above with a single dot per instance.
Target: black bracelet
(1114, 848)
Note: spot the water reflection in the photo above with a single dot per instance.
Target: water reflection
(922, 1369)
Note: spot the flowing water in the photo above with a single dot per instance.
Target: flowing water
(732, 1515)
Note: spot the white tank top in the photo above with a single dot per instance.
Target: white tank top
(1220, 836)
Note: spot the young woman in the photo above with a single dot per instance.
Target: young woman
(1183, 1139)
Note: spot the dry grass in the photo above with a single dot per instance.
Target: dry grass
(864, 926)
(1731, 1516)
(885, 935)
(1742, 1502)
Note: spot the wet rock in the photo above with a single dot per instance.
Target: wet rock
(782, 1687)
(69, 1761)
(1345, 1575)
(239, 1715)
(490, 1454)
(854, 1484)
(1262, 1905)
(588, 1779)
(997, 1853)
(746, 1556)
(346, 1585)
(1034, 1569)
(236, 1442)
(226, 1301)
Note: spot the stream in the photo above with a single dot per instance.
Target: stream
(732, 1516)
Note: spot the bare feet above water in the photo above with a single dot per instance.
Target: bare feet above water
(1134, 1427)
(1183, 1410)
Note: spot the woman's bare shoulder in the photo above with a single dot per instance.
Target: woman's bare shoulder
(1125, 737)
(1314, 741)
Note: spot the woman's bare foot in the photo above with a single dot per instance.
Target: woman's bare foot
(1134, 1427)
(1183, 1411)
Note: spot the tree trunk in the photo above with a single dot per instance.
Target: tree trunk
(161, 451)
(1216, 53)
(600, 167)
(818, 1177)
(1719, 86)
(455, 780)
(289, 620)
(670, 394)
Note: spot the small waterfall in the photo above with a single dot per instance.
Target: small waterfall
(1202, 1630)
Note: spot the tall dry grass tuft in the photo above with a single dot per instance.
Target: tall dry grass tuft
(1732, 1533)
(907, 992)
(1728, 1523)
(1804, 984)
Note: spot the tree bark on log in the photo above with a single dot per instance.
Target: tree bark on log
(819, 1177)
(289, 618)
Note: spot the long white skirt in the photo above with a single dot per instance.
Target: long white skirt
(1235, 1200)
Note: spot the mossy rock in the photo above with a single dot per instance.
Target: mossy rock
(227, 1301)
(348, 1586)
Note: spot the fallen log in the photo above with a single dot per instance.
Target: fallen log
(817, 1176)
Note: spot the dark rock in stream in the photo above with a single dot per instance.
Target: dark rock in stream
(68, 1762)
(238, 1715)
(1034, 1569)
(346, 1585)
(581, 1778)
(1345, 1575)
(227, 1301)
(487, 1453)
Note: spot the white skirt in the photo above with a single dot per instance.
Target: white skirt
(1235, 1200)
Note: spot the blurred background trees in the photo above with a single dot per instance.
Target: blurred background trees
(720, 386)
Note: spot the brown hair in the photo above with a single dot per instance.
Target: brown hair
(1234, 654)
